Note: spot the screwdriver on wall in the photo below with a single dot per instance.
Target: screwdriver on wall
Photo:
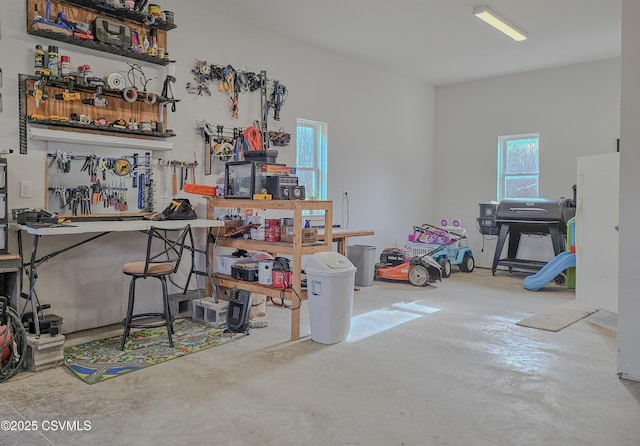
(174, 179)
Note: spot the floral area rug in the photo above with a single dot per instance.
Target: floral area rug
(97, 361)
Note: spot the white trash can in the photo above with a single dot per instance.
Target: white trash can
(330, 282)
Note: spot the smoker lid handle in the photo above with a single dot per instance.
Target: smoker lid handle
(528, 210)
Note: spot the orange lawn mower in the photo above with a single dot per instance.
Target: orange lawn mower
(397, 264)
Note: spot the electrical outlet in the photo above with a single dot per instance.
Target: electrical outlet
(26, 189)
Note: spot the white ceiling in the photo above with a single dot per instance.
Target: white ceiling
(440, 41)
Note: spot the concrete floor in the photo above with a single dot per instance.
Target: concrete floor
(441, 365)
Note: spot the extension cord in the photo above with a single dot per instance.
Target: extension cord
(259, 324)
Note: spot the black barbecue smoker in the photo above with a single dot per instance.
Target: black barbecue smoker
(531, 216)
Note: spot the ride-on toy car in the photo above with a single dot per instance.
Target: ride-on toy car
(447, 243)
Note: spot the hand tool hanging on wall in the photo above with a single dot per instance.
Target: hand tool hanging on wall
(39, 91)
(135, 170)
(278, 97)
(174, 179)
(169, 80)
(192, 166)
(162, 166)
(228, 77)
(207, 132)
(234, 106)
(122, 167)
(97, 100)
(148, 183)
(141, 191)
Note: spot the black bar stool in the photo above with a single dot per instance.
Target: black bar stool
(164, 251)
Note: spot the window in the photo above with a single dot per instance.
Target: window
(311, 158)
(518, 166)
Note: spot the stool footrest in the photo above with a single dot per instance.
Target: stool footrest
(151, 324)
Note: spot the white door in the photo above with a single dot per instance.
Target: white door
(598, 190)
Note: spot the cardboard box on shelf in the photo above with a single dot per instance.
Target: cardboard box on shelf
(229, 226)
(309, 235)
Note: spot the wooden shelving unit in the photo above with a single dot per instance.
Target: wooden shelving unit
(296, 249)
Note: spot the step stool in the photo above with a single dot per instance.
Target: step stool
(208, 312)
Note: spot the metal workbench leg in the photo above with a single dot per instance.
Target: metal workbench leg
(33, 276)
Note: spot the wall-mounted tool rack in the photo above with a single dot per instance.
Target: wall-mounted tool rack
(55, 113)
(227, 142)
(90, 184)
(273, 93)
(86, 11)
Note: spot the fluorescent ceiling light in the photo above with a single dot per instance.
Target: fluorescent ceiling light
(493, 19)
(90, 139)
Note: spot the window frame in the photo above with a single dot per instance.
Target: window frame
(502, 176)
(320, 131)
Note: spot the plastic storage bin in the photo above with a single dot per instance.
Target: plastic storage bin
(330, 281)
(364, 259)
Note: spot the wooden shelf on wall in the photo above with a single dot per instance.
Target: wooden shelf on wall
(40, 115)
(99, 46)
(86, 11)
(111, 11)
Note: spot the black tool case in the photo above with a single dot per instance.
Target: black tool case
(247, 271)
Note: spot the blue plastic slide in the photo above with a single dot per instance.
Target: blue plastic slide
(549, 272)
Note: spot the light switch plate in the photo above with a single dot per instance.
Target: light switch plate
(26, 189)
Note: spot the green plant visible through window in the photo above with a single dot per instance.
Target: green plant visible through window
(311, 158)
(518, 166)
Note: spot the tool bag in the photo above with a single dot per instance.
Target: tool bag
(180, 209)
(110, 31)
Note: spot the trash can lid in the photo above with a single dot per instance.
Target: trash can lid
(328, 261)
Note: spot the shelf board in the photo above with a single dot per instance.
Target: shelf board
(268, 204)
(91, 128)
(106, 91)
(255, 287)
(272, 247)
(109, 10)
(87, 137)
(99, 46)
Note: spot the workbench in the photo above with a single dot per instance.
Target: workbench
(98, 229)
(340, 235)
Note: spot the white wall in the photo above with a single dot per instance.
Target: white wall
(575, 108)
(381, 137)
